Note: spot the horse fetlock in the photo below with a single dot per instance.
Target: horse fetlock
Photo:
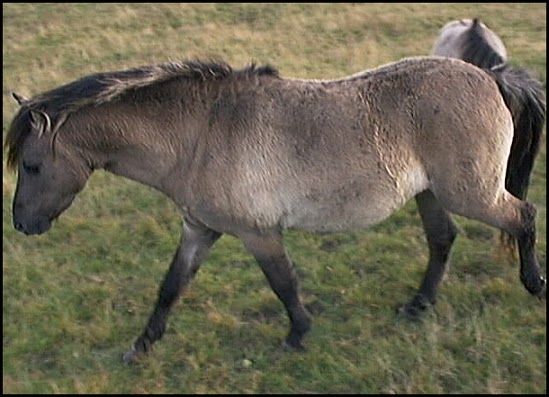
(298, 330)
(543, 292)
(143, 344)
(409, 312)
(301, 325)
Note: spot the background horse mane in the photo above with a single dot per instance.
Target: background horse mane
(478, 50)
(104, 87)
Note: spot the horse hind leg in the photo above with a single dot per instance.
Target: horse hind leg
(516, 217)
(440, 231)
(529, 267)
(278, 268)
(196, 243)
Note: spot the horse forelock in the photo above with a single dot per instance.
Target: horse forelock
(18, 132)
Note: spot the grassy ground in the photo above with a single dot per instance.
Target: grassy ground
(75, 298)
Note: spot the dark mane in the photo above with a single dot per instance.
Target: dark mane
(104, 87)
(478, 51)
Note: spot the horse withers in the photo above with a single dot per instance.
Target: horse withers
(248, 153)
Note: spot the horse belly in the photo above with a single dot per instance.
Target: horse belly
(330, 219)
(357, 205)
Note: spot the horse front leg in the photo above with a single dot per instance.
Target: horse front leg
(278, 268)
(196, 242)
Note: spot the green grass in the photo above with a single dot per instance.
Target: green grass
(75, 298)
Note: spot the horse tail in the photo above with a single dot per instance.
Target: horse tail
(523, 95)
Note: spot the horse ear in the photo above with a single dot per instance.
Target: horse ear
(40, 121)
(21, 100)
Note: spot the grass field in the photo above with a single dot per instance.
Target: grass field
(75, 298)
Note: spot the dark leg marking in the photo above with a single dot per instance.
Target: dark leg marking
(277, 267)
(441, 232)
(197, 240)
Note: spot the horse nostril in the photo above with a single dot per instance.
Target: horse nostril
(19, 227)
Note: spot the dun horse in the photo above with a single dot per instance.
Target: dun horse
(248, 153)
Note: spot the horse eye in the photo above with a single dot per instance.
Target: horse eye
(32, 169)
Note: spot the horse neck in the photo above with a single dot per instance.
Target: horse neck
(135, 146)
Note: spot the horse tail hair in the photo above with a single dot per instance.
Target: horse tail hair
(525, 99)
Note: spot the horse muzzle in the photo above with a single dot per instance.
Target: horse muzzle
(38, 225)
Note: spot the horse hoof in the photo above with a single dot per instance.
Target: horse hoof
(294, 347)
(409, 313)
(130, 356)
(414, 310)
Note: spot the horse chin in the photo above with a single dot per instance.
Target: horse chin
(41, 224)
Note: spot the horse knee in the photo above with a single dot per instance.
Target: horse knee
(522, 225)
(442, 241)
(450, 234)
